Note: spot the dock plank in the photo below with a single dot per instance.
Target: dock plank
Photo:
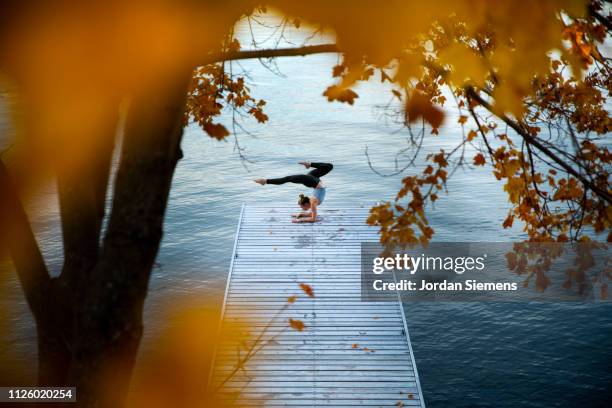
(350, 353)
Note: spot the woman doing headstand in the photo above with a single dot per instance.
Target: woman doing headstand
(312, 180)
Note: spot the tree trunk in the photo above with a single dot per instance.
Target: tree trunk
(108, 321)
(82, 185)
(54, 334)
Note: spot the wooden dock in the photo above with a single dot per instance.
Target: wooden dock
(350, 353)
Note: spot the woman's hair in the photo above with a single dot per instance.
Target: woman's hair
(303, 200)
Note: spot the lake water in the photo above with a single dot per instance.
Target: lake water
(468, 354)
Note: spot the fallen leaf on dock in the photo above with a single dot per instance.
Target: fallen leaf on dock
(307, 289)
(296, 324)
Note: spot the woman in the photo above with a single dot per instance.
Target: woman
(312, 180)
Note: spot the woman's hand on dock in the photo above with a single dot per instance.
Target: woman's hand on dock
(261, 181)
(305, 164)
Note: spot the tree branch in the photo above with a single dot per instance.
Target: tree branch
(270, 53)
(536, 143)
(82, 196)
(17, 236)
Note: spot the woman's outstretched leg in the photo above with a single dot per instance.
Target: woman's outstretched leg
(305, 179)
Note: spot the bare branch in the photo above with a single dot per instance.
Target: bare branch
(270, 53)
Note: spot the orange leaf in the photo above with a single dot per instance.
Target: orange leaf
(508, 221)
(216, 130)
(420, 106)
(296, 324)
(340, 94)
(479, 160)
(338, 70)
(307, 289)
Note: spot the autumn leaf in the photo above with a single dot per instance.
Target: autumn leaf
(340, 94)
(467, 65)
(419, 106)
(508, 221)
(307, 289)
(296, 324)
(479, 160)
(338, 70)
(216, 130)
(291, 299)
(514, 187)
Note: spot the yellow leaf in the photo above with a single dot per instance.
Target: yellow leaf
(466, 64)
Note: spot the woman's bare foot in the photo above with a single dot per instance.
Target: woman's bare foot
(261, 181)
(305, 164)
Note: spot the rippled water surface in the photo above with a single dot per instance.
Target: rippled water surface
(468, 354)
